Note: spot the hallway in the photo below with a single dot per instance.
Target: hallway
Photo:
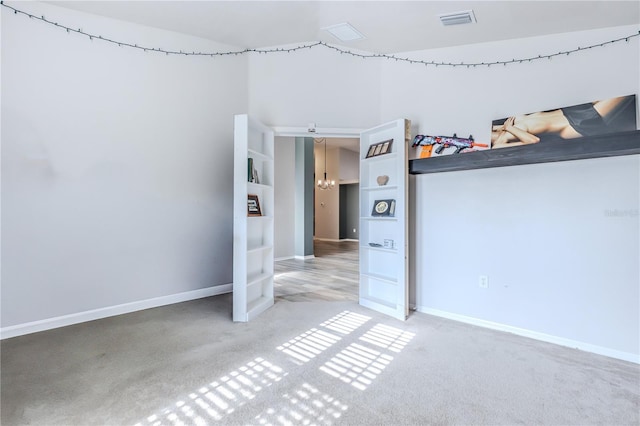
(331, 276)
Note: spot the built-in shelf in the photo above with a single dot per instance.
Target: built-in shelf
(258, 155)
(378, 277)
(372, 301)
(376, 248)
(256, 279)
(256, 186)
(625, 143)
(384, 278)
(380, 218)
(379, 188)
(253, 236)
(258, 249)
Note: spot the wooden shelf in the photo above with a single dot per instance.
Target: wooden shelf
(625, 143)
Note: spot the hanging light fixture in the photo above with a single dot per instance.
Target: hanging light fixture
(325, 183)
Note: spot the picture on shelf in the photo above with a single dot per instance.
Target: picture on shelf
(372, 149)
(253, 205)
(379, 148)
(252, 172)
(384, 208)
(589, 119)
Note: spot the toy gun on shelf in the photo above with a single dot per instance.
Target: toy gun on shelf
(446, 142)
(427, 143)
(459, 143)
(423, 140)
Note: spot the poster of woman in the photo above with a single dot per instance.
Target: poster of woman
(594, 118)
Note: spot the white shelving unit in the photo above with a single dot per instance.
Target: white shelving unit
(384, 268)
(253, 254)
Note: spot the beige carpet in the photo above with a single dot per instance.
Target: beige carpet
(304, 363)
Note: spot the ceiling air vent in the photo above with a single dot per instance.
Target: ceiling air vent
(457, 18)
(344, 32)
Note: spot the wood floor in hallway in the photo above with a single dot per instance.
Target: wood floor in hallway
(332, 275)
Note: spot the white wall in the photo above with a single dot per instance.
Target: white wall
(116, 165)
(559, 266)
(284, 195)
(314, 85)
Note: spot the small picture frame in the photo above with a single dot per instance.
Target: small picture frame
(384, 208)
(379, 148)
(253, 205)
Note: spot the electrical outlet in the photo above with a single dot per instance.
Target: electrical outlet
(483, 281)
(354, 230)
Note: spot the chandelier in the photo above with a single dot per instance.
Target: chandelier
(325, 183)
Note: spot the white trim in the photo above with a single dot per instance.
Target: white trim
(109, 311)
(311, 256)
(348, 181)
(277, 259)
(327, 132)
(334, 240)
(587, 347)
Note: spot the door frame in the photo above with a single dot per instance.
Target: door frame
(319, 132)
(326, 132)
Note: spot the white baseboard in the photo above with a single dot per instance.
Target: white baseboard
(311, 256)
(333, 240)
(277, 259)
(587, 347)
(109, 311)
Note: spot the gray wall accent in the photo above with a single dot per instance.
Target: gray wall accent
(284, 196)
(304, 196)
(349, 165)
(349, 210)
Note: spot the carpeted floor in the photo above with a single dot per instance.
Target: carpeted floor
(304, 363)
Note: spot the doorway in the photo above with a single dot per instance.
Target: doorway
(331, 272)
(339, 159)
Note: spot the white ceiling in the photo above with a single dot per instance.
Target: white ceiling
(389, 26)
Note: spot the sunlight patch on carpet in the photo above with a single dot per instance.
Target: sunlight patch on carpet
(360, 364)
(388, 337)
(219, 398)
(345, 322)
(305, 405)
(308, 345)
(357, 365)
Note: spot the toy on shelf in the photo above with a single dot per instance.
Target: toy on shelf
(443, 142)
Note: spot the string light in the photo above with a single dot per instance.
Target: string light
(316, 44)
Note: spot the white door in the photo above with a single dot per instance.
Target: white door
(384, 277)
(253, 218)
